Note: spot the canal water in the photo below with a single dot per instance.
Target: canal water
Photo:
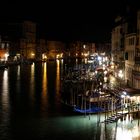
(31, 108)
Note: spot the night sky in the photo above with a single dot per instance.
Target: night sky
(67, 20)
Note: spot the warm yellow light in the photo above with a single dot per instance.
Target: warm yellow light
(17, 54)
(44, 56)
(112, 66)
(61, 55)
(57, 56)
(105, 72)
(84, 46)
(32, 54)
(86, 60)
(85, 54)
(6, 56)
(105, 79)
(120, 74)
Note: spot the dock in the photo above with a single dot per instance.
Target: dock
(119, 115)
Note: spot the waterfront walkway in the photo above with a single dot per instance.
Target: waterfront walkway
(120, 115)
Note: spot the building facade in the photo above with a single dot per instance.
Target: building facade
(136, 68)
(79, 49)
(117, 43)
(41, 49)
(22, 37)
(126, 48)
(27, 42)
(55, 49)
(4, 49)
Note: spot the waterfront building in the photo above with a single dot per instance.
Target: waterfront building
(80, 49)
(117, 49)
(55, 49)
(126, 48)
(28, 41)
(22, 37)
(41, 49)
(4, 49)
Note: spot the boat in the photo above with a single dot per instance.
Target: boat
(89, 110)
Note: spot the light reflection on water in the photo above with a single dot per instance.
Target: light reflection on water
(5, 91)
(32, 80)
(4, 106)
(44, 85)
(30, 109)
(128, 129)
(44, 80)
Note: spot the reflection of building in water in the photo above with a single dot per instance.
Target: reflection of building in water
(32, 79)
(5, 91)
(58, 77)
(44, 84)
(128, 128)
